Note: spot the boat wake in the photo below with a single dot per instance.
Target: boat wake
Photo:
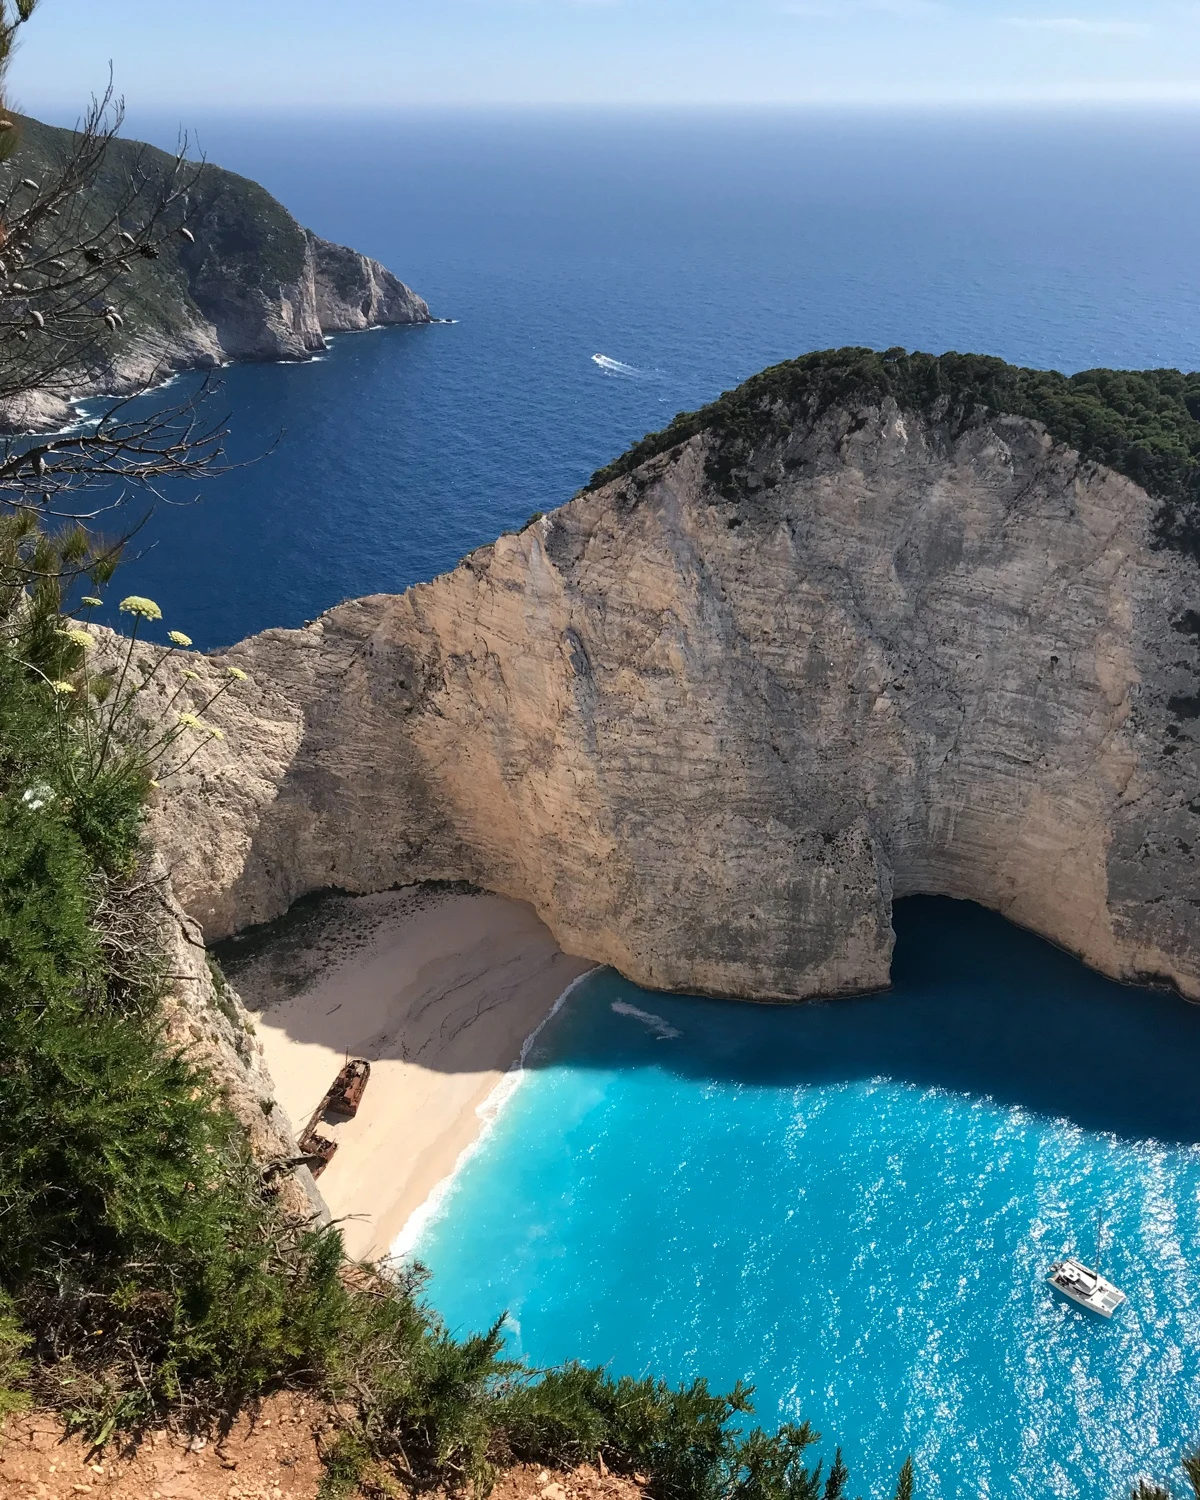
(615, 366)
(662, 1029)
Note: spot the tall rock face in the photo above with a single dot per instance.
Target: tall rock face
(203, 1017)
(254, 285)
(712, 718)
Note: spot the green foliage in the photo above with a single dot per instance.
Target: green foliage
(904, 1485)
(139, 1249)
(245, 241)
(346, 1463)
(688, 1440)
(1145, 424)
(14, 1367)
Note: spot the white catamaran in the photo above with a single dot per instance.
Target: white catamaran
(1085, 1286)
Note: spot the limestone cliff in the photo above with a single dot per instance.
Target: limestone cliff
(253, 286)
(714, 715)
(203, 1016)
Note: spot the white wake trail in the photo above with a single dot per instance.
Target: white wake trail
(614, 366)
(661, 1028)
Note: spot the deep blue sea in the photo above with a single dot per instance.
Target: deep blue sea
(690, 251)
(854, 1204)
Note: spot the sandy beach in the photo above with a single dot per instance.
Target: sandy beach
(438, 989)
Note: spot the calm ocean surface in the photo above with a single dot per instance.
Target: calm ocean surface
(690, 250)
(854, 1204)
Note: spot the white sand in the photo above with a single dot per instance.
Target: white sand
(439, 991)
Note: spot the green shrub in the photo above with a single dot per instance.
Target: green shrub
(346, 1462)
(146, 1269)
(14, 1367)
(687, 1440)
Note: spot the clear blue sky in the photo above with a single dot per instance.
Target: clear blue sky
(217, 54)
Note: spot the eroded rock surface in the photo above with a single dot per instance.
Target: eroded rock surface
(203, 1017)
(711, 739)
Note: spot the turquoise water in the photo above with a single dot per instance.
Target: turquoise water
(854, 1205)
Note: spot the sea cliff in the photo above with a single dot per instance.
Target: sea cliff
(794, 659)
(253, 285)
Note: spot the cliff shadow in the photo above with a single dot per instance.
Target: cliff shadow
(978, 1007)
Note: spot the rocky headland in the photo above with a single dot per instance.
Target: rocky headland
(869, 626)
(254, 284)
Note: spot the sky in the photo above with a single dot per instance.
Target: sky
(243, 55)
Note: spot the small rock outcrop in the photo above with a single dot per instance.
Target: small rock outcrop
(713, 716)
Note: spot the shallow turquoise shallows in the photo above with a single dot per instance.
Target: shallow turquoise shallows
(855, 1205)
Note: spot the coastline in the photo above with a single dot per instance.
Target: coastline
(63, 414)
(432, 1208)
(444, 992)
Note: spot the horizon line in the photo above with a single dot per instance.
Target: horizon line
(1189, 102)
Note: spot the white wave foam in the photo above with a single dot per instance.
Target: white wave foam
(614, 366)
(661, 1028)
(488, 1113)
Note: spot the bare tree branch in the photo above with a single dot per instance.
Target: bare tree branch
(72, 240)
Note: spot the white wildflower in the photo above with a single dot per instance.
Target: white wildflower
(145, 609)
(78, 637)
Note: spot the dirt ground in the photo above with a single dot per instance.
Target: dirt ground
(271, 1455)
(527, 1482)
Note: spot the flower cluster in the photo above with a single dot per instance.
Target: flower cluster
(144, 609)
(117, 691)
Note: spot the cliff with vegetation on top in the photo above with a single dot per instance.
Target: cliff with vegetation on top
(254, 284)
(854, 632)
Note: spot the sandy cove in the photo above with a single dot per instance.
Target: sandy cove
(439, 989)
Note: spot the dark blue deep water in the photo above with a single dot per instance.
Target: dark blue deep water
(693, 251)
(853, 1204)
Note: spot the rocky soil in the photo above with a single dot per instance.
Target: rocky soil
(271, 1453)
